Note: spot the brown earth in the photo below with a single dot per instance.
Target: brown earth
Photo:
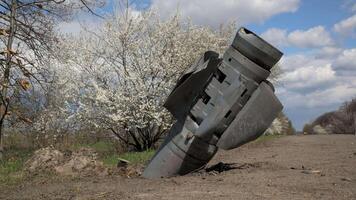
(293, 167)
(82, 162)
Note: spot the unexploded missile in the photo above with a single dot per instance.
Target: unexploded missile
(218, 103)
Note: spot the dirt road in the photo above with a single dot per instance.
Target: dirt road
(293, 167)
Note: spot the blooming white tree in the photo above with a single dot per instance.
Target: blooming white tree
(281, 126)
(124, 71)
(118, 77)
(27, 38)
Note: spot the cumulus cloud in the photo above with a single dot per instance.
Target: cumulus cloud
(214, 13)
(293, 62)
(336, 94)
(346, 60)
(79, 23)
(86, 21)
(308, 76)
(346, 27)
(71, 27)
(311, 38)
(305, 104)
(276, 36)
(314, 37)
(328, 52)
(314, 80)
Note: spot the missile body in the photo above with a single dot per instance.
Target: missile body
(218, 103)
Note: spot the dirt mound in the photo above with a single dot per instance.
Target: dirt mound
(77, 163)
(83, 162)
(45, 159)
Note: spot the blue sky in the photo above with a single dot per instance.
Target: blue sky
(318, 38)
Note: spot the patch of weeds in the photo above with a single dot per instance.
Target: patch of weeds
(133, 157)
(11, 167)
(103, 147)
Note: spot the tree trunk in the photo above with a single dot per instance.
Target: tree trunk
(1, 145)
(355, 123)
(5, 101)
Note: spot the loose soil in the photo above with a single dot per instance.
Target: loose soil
(82, 162)
(292, 167)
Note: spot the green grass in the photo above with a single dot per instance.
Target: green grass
(132, 157)
(109, 156)
(11, 167)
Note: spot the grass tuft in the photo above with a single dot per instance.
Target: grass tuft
(11, 167)
(133, 157)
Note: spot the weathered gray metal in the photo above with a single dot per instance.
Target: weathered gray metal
(218, 103)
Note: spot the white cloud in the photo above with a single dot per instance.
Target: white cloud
(87, 21)
(79, 23)
(276, 36)
(319, 98)
(311, 38)
(314, 37)
(212, 12)
(293, 62)
(328, 52)
(314, 80)
(347, 27)
(70, 27)
(346, 60)
(308, 76)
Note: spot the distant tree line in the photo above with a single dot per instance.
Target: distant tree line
(341, 121)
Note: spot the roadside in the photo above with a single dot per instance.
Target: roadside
(291, 167)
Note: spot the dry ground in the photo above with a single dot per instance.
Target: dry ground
(293, 167)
